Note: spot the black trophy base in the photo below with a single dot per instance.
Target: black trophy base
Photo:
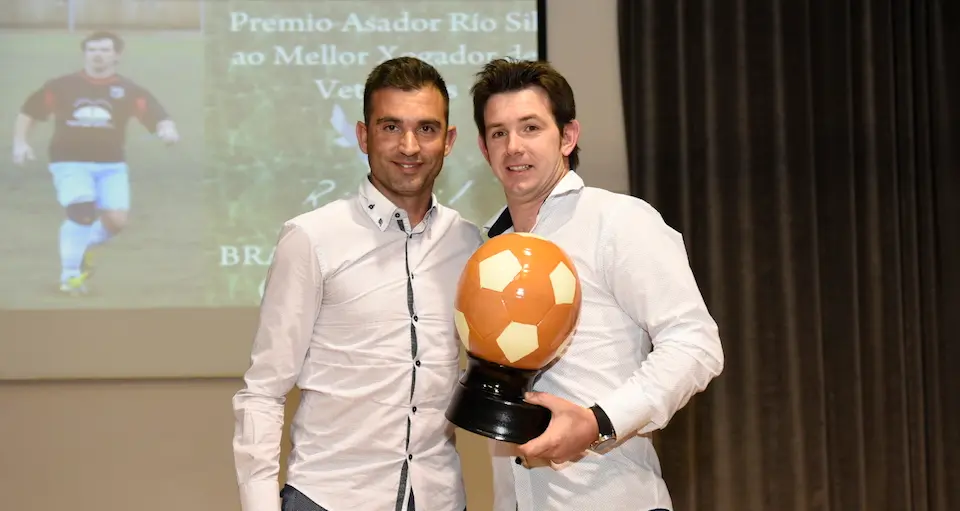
(489, 401)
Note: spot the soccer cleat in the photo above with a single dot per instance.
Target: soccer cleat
(75, 286)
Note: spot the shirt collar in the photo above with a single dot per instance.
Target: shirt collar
(379, 208)
(502, 222)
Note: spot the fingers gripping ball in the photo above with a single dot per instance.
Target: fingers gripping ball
(518, 301)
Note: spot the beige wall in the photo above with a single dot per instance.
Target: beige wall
(165, 445)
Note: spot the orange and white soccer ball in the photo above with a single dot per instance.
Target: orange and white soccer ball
(518, 301)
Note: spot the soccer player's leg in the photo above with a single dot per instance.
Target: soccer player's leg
(112, 184)
(113, 200)
(76, 193)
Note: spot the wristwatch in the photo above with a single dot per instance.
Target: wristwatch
(607, 436)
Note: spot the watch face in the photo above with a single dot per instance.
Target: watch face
(603, 444)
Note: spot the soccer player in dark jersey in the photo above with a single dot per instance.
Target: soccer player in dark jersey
(90, 109)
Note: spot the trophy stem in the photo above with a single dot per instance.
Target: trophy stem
(489, 401)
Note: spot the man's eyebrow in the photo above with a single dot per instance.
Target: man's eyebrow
(397, 120)
(525, 118)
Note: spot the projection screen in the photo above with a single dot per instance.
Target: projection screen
(265, 96)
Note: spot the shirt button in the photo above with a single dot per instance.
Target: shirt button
(518, 461)
(396, 215)
(414, 409)
(417, 363)
(415, 318)
(409, 456)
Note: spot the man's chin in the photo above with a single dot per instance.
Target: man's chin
(521, 193)
(410, 185)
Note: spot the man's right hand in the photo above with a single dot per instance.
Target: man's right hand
(22, 152)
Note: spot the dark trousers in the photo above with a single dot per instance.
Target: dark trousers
(293, 500)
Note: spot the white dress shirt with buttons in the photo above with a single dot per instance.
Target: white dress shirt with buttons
(644, 345)
(357, 313)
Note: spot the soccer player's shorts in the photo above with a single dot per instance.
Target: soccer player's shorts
(106, 184)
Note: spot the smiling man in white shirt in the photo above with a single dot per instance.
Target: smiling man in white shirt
(645, 342)
(358, 313)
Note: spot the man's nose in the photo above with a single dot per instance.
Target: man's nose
(513, 144)
(409, 145)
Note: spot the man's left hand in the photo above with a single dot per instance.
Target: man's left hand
(572, 429)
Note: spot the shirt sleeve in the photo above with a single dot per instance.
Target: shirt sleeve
(148, 109)
(645, 264)
(288, 313)
(39, 105)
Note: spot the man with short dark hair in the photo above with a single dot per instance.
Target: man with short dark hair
(358, 313)
(91, 109)
(645, 342)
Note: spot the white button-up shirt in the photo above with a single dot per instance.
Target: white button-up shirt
(644, 345)
(358, 313)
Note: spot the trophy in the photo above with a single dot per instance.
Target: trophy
(517, 304)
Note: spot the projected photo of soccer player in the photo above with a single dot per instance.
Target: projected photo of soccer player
(87, 152)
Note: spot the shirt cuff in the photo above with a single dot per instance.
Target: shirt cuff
(629, 410)
(260, 496)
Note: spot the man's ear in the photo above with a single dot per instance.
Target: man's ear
(569, 137)
(362, 136)
(451, 138)
(483, 148)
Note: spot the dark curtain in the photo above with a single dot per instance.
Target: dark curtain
(806, 149)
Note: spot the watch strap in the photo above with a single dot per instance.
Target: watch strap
(604, 424)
